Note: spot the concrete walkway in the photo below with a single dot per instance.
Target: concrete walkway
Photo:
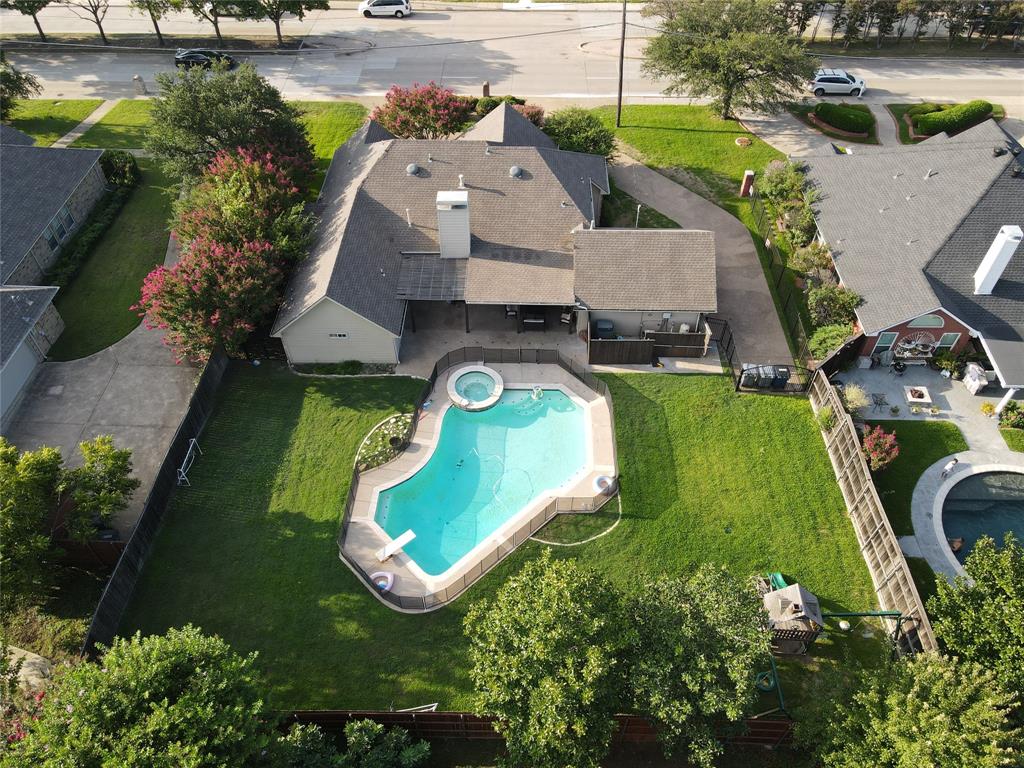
(94, 117)
(888, 135)
(787, 134)
(743, 295)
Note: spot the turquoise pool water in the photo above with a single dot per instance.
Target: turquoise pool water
(486, 467)
(988, 504)
(475, 386)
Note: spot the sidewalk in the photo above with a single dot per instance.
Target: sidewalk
(94, 117)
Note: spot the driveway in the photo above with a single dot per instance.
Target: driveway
(743, 295)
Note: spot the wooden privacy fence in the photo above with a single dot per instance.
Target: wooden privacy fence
(878, 544)
(465, 726)
(118, 592)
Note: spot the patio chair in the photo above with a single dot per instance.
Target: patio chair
(878, 401)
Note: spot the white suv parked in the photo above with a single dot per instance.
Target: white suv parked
(829, 82)
(396, 8)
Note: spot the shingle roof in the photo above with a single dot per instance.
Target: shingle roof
(646, 269)
(20, 309)
(520, 276)
(11, 135)
(504, 125)
(34, 183)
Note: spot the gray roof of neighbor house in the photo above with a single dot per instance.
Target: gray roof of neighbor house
(909, 226)
(504, 125)
(20, 309)
(646, 269)
(374, 214)
(34, 183)
(11, 135)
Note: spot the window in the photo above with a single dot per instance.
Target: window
(51, 239)
(58, 229)
(948, 341)
(66, 217)
(337, 335)
(885, 342)
(926, 321)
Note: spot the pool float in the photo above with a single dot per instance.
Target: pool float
(383, 580)
(604, 484)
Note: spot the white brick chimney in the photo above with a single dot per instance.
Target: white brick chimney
(998, 256)
(453, 224)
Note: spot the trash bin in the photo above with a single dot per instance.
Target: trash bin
(780, 376)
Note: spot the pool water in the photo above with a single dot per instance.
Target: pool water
(988, 504)
(475, 386)
(486, 467)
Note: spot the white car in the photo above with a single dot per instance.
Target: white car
(836, 82)
(397, 8)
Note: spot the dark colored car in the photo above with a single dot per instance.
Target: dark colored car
(200, 57)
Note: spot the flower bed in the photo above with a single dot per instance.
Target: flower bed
(384, 443)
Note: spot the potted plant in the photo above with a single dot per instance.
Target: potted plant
(915, 410)
(934, 410)
(895, 410)
(988, 409)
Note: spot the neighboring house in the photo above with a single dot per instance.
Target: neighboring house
(498, 220)
(45, 196)
(929, 236)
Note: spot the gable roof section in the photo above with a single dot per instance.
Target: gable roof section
(883, 220)
(504, 125)
(34, 183)
(11, 135)
(20, 309)
(646, 269)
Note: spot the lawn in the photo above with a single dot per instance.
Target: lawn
(46, 120)
(249, 551)
(123, 127)
(619, 210)
(1014, 438)
(899, 110)
(922, 443)
(328, 125)
(95, 305)
(802, 112)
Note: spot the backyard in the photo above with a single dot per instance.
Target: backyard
(249, 551)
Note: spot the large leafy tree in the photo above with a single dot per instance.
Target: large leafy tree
(580, 130)
(275, 10)
(199, 113)
(14, 84)
(980, 617)
(204, 10)
(156, 10)
(699, 645)
(421, 111)
(91, 10)
(928, 710)
(742, 55)
(100, 488)
(546, 661)
(28, 8)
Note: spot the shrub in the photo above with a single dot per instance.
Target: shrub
(923, 109)
(826, 418)
(577, 130)
(422, 111)
(781, 181)
(854, 398)
(120, 168)
(988, 409)
(802, 226)
(845, 117)
(832, 305)
(880, 448)
(76, 251)
(813, 257)
(828, 338)
(944, 360)
(486, 104)
(469, 101)
(532, 112)
(1012, 416)
(953, 119)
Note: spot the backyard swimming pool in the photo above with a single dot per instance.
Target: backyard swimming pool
(988, 504)
(487, 467)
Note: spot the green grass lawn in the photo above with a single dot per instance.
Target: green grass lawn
(123, 127)
(1014, 438)
(924, 577)
(619, 210)
(95, 305)
(922, 443)
(46, 120)
(899, 110)
(249, 551)
(329, 124)
(802, 112)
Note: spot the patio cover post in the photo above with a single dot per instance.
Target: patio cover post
(1006, 399)
(465, 306)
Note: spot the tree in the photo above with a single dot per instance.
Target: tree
(162, 701)
(199, 113)
(545, 659)
(880, 448)
(29, 488)
(886, 13)
(370, 745)
(832, 305)
(814, 258)
(578, 130)
(91, 10)
(422, 111)
(699, 645)
(157, 9)
(926, 710)
(853, 21)
(100, 488)
(28, 8)
(204, 10)
(14, 84)
(741, 55)
(828, 338)
(257, 10)
(980, 616)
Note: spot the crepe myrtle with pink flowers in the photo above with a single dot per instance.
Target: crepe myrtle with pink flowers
(880, 448)
(422, 111)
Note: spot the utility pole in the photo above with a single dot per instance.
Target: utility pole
(622, 61)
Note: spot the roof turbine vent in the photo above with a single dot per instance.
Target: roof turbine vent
(515, 172)
(412, 169)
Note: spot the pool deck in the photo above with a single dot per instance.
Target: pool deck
(365, 538)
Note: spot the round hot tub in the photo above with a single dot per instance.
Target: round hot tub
(475, 387)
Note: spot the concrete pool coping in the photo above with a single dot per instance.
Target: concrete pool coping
(365, 537)
(470, 405)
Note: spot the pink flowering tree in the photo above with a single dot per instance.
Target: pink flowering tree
(880, 448)
(216, 294)
(422, 111)
(532, 112)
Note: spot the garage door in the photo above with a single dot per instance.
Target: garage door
(15, 374)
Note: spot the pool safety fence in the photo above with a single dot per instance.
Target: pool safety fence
(879, 546)
(487, 356)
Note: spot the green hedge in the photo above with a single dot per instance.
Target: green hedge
(953, 119)
(925, 108)
(845, 117)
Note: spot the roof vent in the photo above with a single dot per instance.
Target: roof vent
(1017, 170)
(515, 172)
(931, 172)
(565, 204)
(998, 151)
(412, 169)
(997, 258)
(462, 181)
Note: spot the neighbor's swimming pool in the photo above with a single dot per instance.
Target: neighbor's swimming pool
(487, 466)
(989, 504)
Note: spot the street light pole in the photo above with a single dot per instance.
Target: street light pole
(622, 60)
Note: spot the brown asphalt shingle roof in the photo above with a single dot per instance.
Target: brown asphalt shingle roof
(504, 125)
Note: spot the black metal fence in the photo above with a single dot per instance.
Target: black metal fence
(119, 589)
(797, 380)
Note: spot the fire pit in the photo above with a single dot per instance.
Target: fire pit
(917, 395)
